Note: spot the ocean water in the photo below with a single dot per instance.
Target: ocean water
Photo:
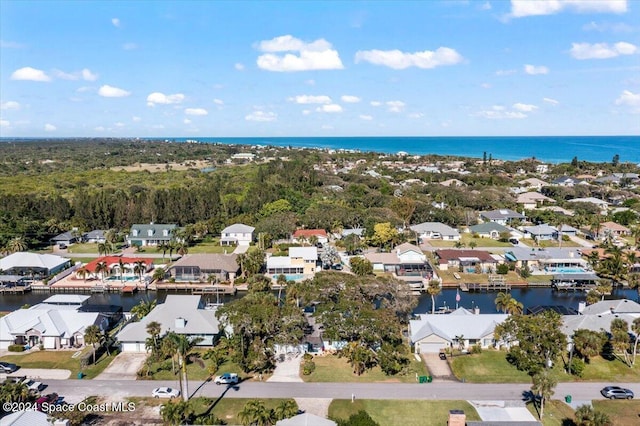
(552, 149)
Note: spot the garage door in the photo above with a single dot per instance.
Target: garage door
(428, 347)
(133, 347)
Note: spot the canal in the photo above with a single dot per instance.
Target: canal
(485, 301)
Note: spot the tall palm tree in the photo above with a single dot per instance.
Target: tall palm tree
(254, 412)
(182, 248)
(111, 235)
(620, 338)
(82, 273)
(139, 268)
(159, 274)
(434, 288)
(514, 307)
(184, 346)
(285, 410)
(143, 308)
(102, 269)
(163, 247)
(92, 335)
(543, 384)
(17, 244)
(502, 301)
(154, 328)
(176, 413)
(588, 343)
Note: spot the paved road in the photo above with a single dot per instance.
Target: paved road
(75, 390)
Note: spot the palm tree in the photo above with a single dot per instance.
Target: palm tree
(143, 308)
(163, 247)
(588, 343)
(82, 273)
(285, 410)
(459, 244)
(254, 412)
(587, 416)
(111, 235)
(592, 297)
(543, 384)
(154, 328)
(121, 268)
(434, 288)
(514, 307)
(104, 249)
(17, 244)
(620, 338)
(460, 341)
(502, 301)
(101, 268)
(159, 274)
(184, 345)
(92, 335)
(176, 413)
(139, 268)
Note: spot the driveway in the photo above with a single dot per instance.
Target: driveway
(123, 367)
(438, 368)
(287, 370)
(503, 411)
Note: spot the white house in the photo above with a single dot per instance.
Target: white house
(300, 263)
(33, 264)
(434, 333)
(532, 200)
(238, 234)
(56, 323)
(181, 314)
(435, 231)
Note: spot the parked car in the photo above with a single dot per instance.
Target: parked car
(514, 241)
(226, 379)
(165, 393)
(62, 246)
(336, 267)
(7, 367)
(50, 399)
(33, 385)
(443, 356)
(616, 392)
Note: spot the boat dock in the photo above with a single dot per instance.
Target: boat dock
(195, 288)
(16, 289)
(484, 287)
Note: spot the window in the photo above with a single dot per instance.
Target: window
(150, 232)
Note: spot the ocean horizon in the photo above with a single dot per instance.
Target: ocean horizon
(552, 149)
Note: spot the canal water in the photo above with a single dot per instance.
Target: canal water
(485, 301)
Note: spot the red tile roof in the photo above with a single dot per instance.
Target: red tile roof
(115, 260)
(306, 233)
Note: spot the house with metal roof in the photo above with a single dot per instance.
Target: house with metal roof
(435, 231)
(501, 216)
(95, 236)
(182, 314)
(432, 333)
(237, 234)
(33, 265)
(151, 234)
(201, 266)
(618, 306)
(68, 238)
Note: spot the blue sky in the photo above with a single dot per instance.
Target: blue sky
(334, 68)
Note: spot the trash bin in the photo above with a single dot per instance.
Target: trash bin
(429, 379)
(567, 399)
(80, 375)
(422, 379)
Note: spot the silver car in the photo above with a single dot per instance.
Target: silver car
(165, 393)
(616, 392)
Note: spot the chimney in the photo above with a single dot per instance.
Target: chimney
(457, 418)
(581, 306)
(476, 310)
(180, 322)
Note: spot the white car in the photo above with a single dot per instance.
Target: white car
(226, 379)
(165, 393)
(32, 385)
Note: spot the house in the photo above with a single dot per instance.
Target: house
(182, 314)
(95, 236)
(435, 231)
(56, 323)
(617, 178)
(33, 264)
(502, 216)
(542, 168)
(568, 230)
(489, 230)
(548, 261)
(356, 231)
(202, 267)
(568, 181)
(67, 238)
(306, 419)
(603, 205)
(533, 183)
(305, 235)
(117, 267)
(152, 234)
(453, 182)
(434, 333)
(300, 263)
(542, 232)
(617, 306)
(469, 261)
(237, 234)
(406, 262)
(612, 228)
(532, 200)
(31, 417)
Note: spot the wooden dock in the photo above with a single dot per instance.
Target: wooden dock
(16, 289)
(484, 287)
(195, 288)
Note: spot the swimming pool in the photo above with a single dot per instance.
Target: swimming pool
(116, 278)
(290, 277)
(567, 270)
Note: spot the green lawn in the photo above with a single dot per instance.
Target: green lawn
(556, 413)
(210, 247)
(330, 368)
(62, 360)
(550, 243)
(491, 366)
(406, 413)
(621, 413)
(194, 371)
(83, 248)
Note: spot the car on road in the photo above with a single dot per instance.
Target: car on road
(616, 392)
(226, 379)
(514, 241)
(32, 385)
(7, 367)
(165, 393)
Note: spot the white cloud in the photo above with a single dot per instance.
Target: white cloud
(375, 103)
(119, 124)
(601, 50)
(5, 123)
(219, 102)
(186, 121)
(416, 115)
(486, 6)
(84, 74)
(317, 55)
(112, 92)
(521, 8)
(50, 128)
(310, 99)
(84, 89)
(87, 75)
(129, 46)
(9, 105)
(630, 99)
(239, 67)
(330, 108)
(261, 116)
(136, 119)
(326, 127)
(536, 69)
(310, 82)
(619, 27)
(524, 107)
(395, 106)
(196, 111)
(306, 112)
(99, 129)
(505, 72)
(550, 101)
(158, 98)
(30, 74)
(349, 99)
(399, 60)
(115, 22)
(365, 117)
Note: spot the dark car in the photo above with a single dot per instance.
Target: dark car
(616, 392)
(51, 399)
(7, 367)
(514, 241)
(442, 356)
(336, 267)
(62, 246)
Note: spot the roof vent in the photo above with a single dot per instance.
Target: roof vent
(180, 322)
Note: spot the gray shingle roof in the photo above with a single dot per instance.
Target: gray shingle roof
(209, 261)
(435, 227)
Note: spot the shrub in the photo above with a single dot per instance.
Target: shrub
(476, 349)
(502, 269)
(16, 348)
(308, 367)
(577, 367)
(307, 356)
